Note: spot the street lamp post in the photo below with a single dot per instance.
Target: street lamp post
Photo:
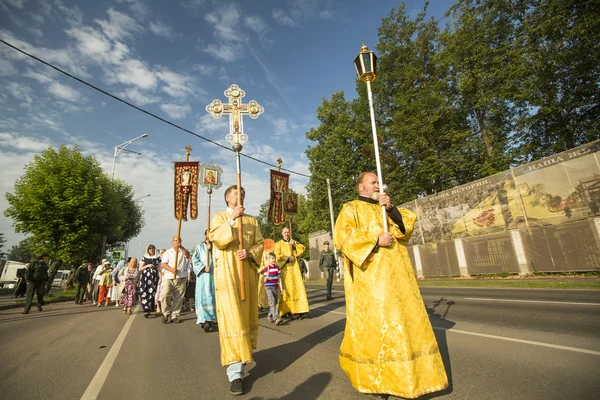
(121, 148)
(366, 64)
(118, 150)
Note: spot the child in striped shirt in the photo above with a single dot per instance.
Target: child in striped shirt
(271, 285)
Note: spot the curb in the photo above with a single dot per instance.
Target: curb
(12, 306)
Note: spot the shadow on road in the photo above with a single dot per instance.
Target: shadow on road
(277, 359)
(437, 315)
(309, 389)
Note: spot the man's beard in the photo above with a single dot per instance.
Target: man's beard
(374, 196)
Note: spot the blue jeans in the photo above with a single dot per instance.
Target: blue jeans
(235, 371)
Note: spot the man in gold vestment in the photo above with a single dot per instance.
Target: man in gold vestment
(238, 320)
(293, 300)
(389, 347)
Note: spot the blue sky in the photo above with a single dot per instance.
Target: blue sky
(173, 58)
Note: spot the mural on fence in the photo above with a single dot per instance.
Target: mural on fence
(554, 190)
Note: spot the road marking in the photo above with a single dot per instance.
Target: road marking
(553, 346)
(93, 390)
(534, 301)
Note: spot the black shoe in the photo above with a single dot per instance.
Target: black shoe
(25, 312)
(329, 298)
(39, 307)
(176, 320)
(166, 319)
(146, 315)
(206, 326)
(237, 387)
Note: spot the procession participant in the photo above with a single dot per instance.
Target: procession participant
(294, 299)
(149, 279)
(271, 283)
(205, 285)
(21, 285)
(238, 320)
(81, 277)
(389, 347)
(128, 297)
(105, 284)
(173, 281)
(328, 265)
(36, 276)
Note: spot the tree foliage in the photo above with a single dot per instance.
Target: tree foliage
(21, 252)
(67, 204)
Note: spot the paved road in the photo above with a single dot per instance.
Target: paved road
(496, 343)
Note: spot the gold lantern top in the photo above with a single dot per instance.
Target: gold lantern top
(366, 64)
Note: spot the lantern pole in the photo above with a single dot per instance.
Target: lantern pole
(366, 73)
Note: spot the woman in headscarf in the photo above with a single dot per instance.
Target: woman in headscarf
(149, 280)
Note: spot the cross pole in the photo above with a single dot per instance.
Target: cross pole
(236, 109)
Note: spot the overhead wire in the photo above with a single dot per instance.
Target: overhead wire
(145, 111)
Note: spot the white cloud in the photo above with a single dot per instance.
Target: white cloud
(40, 77)
(13, 3)
(138, 98)
(204, 69)
(175, 111)
(138, 7)
(228, 46)
(177, 85)
(136, 73)
(283, 126)
(13, 140)
(208, 123)
(282, 18)
(21, 92)
(7, 68)
(64, 91)
(256, 24)
(119, 25)
(160, 29)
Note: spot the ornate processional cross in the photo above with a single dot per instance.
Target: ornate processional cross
(236, 110)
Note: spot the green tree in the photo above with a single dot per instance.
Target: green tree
(561, 86)
(21, 252)
(341, 140)
(67, 204)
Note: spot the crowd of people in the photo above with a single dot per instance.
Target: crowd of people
(388, 347)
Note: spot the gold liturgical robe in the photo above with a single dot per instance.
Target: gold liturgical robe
(238, 320)
(294, 299)
(388, 346)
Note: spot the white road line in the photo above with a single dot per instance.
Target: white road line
(93, 389)
(534, 301)
(553, 346)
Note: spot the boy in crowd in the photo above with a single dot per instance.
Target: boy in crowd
(271, 285)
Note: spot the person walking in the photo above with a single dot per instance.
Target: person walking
(81, 277)
(105, 284)
(174, 281)
(328, 266)
(21, 285)
(127, 299)
(238, 320)
(36, 276)
(149, 280)
(205, 285)
(294, 301)
(388, 347)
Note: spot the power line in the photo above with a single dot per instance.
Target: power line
(145, 111)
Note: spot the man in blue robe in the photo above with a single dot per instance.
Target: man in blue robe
(205, 284)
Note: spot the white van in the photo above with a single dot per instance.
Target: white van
(9, 273)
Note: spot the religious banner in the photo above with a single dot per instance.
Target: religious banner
(186, 189)
(279, 185)
(289, 203)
